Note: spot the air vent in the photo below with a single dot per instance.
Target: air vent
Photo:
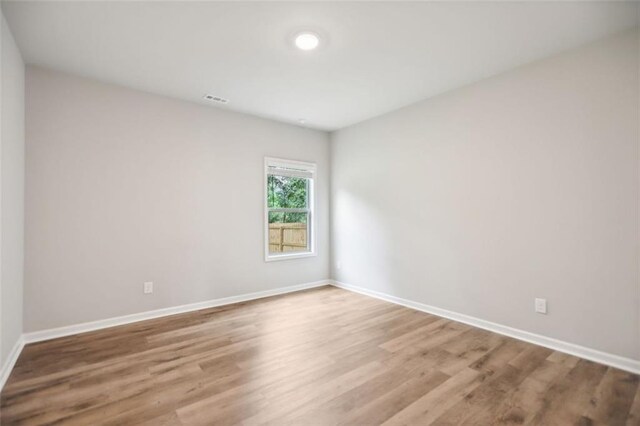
(217, 99)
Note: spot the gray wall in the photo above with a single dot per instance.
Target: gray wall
(520, 186)
(125, 187)
(11, 193)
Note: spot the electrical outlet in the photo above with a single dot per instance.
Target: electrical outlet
(148, 287)
(338, 265)
(541, 306)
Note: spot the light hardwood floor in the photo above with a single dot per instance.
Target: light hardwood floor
(318, 357)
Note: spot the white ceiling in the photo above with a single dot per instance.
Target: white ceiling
(376, 57)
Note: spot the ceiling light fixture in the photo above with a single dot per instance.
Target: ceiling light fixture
(307, 40)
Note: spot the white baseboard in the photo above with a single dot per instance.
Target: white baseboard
(627, 364)
(5, 371)
(53, 333)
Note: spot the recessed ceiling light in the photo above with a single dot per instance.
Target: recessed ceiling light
(307, 40)
(302, 121)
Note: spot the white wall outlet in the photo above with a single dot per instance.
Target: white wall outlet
(148, 287)
(541, 306)
(338, 265)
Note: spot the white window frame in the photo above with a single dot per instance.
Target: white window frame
(311, 220)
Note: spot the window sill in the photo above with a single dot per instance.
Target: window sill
(278, 257)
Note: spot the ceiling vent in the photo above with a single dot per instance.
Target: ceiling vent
(217, 99)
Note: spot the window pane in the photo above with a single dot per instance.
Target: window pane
(287, 192)
(288, 232)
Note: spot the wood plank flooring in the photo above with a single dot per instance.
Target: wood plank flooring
(319, 357)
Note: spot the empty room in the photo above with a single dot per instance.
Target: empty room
(319, 213)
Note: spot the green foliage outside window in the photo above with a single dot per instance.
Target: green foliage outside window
(286, 192)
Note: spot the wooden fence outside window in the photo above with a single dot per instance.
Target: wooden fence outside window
(285, 237)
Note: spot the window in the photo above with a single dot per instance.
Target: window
(289, 217)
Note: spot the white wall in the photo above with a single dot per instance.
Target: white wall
(520, 186)
(11, 192)
(125, 187)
